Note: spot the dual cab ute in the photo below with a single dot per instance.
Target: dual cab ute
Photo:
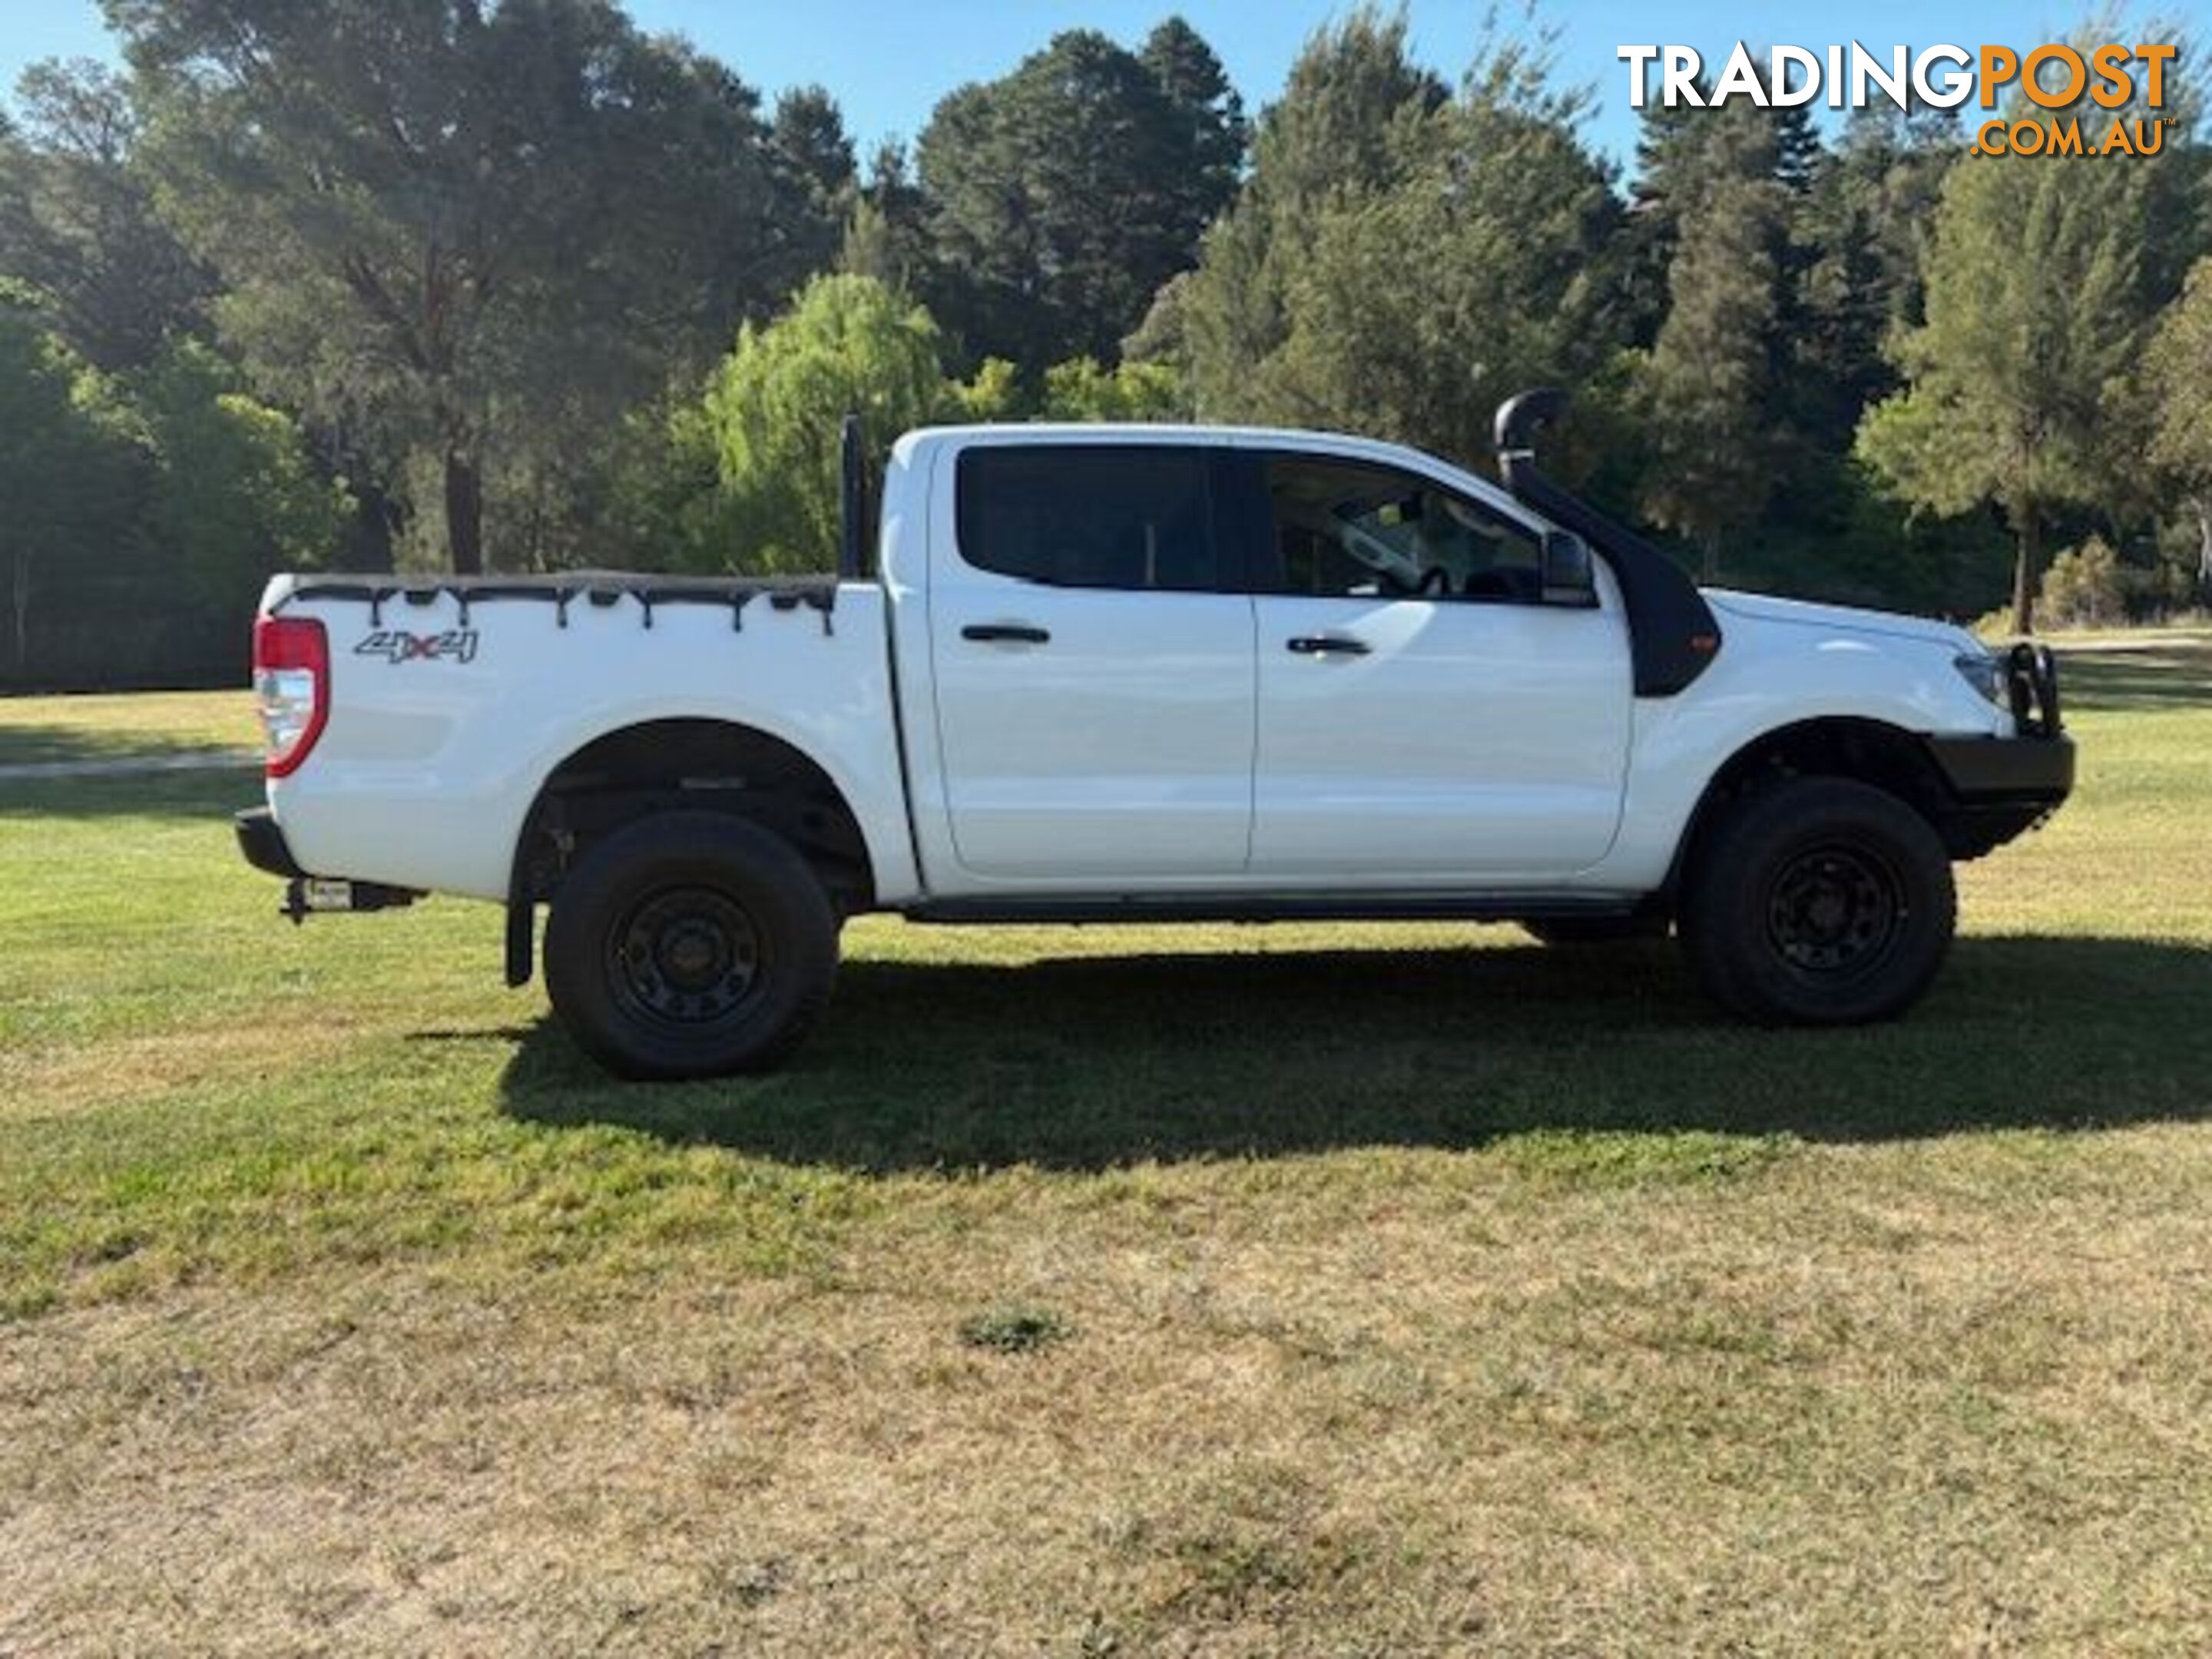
(1121, 673)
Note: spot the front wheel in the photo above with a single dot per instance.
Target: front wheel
(1819, 902)
(690, 945)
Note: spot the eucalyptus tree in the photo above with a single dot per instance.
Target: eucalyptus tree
(465, 232)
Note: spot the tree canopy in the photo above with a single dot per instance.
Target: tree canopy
(1062, 196)
(514, 284)
(446, 228)
(2034, 317)
(849, 345)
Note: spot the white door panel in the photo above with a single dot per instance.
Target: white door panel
(1123, 745)
(1118, 745)
(1468, 740)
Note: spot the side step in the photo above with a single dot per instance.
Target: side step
(1263, 908)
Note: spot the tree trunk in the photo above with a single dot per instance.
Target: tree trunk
(21, 596)
(463, 512)
(2202, 504)
(2026, 571)
(376, 520)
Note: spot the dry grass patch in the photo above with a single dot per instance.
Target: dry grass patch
(1818, 1411)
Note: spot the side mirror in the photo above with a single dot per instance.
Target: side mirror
(1568, 578)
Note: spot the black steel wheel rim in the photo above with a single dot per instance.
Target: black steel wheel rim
(686, 958)
(1836, 913)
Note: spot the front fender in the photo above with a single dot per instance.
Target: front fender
(1762, 685)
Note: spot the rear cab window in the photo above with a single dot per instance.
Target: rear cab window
(1131, 517)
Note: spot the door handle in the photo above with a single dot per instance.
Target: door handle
(1329, 645)
(1010, 632)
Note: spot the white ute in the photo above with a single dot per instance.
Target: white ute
(1108, 673)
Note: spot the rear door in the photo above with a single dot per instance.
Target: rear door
(1422, 716)
(1093, 664)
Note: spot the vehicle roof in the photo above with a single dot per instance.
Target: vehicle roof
(1249, 437)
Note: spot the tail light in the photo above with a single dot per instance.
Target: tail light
(292, 685)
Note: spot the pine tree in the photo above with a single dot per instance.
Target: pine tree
(2035, 310)
(1708, 384)
(2181, 379)
(1062, 195)
(1209, 112)
(1344, 132)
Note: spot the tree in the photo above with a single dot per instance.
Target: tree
(453, 229)
(2034, 313)
(236, 497)
(774, 408)
(1399, 263)
(1337, 136)
(1706, 389)
(1063, 195)
(2181, 379)
(1210, 116)
(78, 220)
(1861, 234)
(808, 142)
(72, 478)
(1083, 390)
(887, 233)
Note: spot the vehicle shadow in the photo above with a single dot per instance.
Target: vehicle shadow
(1094, 1062)
(172, 784)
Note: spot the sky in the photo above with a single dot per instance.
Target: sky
(888, 62)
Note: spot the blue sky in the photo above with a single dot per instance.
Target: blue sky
(888, 61)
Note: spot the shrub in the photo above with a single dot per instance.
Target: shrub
(2087, 586)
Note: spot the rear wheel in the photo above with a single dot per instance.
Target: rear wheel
(1819, 902)
(690, 945)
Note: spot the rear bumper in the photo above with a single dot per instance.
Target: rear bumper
(2001, 787)
(261, 840)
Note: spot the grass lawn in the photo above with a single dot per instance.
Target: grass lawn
(1216, 1291)
(124, 726)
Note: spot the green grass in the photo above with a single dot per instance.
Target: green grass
(1206, 1291)
(124, 726)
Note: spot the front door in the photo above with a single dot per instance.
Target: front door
(1423, 717)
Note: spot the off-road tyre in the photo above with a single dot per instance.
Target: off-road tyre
(691, 945)
(1818, 901)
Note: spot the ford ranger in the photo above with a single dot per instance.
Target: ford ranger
(1123, 673)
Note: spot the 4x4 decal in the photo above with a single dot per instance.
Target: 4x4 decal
(397, 645)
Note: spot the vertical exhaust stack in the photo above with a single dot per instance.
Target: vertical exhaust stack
(1674, 635)
(853, 550)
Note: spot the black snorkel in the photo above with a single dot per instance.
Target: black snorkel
(1672, 634)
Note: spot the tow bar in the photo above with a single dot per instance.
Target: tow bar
(311, 896)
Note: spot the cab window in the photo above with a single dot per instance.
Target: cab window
(1350, 530)
(1133, 516)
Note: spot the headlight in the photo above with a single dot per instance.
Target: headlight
(1984, 673)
